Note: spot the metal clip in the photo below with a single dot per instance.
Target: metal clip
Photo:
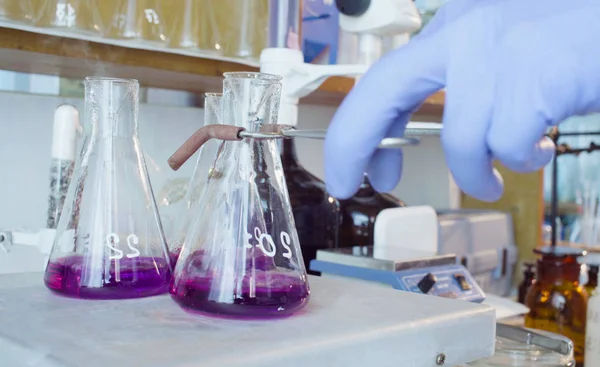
(528, 336)
(275, 131)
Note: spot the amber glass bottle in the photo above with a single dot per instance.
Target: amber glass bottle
(359, 212)
(557, 302)
(592, 282)
(315, 211)
(528, 279)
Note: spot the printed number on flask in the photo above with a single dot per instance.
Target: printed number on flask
(267, 245)
(113, 240)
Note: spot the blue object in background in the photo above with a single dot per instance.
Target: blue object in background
(320, 31)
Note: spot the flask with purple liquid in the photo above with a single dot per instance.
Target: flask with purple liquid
(109, 242)
(202, 172)
(241, 256)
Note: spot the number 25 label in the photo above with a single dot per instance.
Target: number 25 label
(113, 240)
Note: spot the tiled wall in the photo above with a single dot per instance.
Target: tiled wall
(25, 141)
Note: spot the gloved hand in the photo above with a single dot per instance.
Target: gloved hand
(511, 68)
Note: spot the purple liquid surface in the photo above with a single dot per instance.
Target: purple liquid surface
(138, 277)
(275, 295)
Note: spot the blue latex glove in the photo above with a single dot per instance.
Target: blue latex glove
(511, 69)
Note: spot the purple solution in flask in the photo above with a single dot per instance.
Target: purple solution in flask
(131, 278)
(202, 172)
(264, 293)
(241, 257)
(109, 241)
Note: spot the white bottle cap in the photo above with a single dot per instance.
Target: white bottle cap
(66, 128)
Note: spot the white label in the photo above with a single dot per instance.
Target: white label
(286, 241)
(266, 243)
(132, 241)
(262, 238)
(112, 242)
(592, 332)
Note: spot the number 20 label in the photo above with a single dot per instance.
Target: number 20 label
(267, 245)
(113, 240)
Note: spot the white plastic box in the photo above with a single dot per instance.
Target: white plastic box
(483, 241)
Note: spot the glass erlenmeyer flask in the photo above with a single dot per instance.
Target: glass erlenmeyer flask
(242, 256)
(197, 184)
(110, 242)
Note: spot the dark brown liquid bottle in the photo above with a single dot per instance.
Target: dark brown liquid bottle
(359, 212)
(592, 282)
(528, 280)
(315, 211)
(557, 302)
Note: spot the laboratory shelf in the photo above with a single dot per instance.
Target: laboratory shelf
(54, 52)
(346, 323)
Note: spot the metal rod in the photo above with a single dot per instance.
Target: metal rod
(554, 200)
(580, 133)
(530, 337)
(387, 143)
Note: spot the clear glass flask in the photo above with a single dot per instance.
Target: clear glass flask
(316, 213)
(109, 242)
(18, 11)
(56, 13)
(202, 172)
(241, 256)
(242, 26)
(110, 18)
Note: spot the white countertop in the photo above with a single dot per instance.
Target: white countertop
(346, 323)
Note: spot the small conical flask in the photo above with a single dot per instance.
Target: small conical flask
(197, 184)
(241, 255)
(109, 241)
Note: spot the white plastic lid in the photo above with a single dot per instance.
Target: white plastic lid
(66, 128)
(280, 55)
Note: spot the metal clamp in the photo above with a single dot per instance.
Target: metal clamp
(528, 336)
(275, 131)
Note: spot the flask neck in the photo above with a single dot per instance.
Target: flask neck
(365, 189)
(112, 107)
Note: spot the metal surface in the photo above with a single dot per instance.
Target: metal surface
(527, 336)
(393, 259)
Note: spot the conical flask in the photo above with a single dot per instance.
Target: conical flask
(197, 184)
(109, 241)
(241, 255)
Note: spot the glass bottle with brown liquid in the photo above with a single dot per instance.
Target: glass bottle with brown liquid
(528, 280)
(359, 212)
(315, 211)
(557, 301)
(592, 282)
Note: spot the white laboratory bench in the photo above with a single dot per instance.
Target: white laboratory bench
(347, 323)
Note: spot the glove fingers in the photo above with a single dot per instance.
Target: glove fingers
(394, 86)
(522, 113)
(468, 114)
(464, 141)
(385, 168)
